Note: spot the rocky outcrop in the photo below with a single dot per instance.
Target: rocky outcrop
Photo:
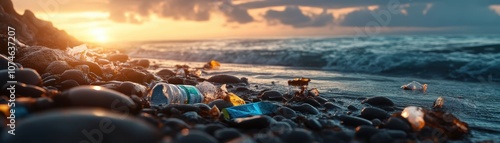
(31, 30)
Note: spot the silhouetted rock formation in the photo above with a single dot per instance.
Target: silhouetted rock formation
(31, 30)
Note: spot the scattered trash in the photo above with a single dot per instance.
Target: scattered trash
(213, 64)
(231, 97)
(208, 90)
(163, 93)
(79, 52)
(248, 110)
(415, 86)
(299, 81)
(438, 104)
(414, 115)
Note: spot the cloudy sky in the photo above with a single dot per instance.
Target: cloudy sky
(138, 20)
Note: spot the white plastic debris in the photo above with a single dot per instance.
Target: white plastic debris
(79, 52)
(414, 115)
(415, 86)
(208, 90)
(439, 103)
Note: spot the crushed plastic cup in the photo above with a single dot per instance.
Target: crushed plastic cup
(248, 110)
(163, 93)
(415, 86)
(208, 90)
(79, 52)
(414, 115)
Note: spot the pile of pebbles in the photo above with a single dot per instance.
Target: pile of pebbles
(104, 101)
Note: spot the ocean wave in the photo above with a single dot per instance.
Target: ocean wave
(446, 60)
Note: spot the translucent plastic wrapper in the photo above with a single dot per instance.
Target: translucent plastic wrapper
(208, 90)
(414, 115)
(234, 99)
(79, 52)
(248, 110)
(415, 86)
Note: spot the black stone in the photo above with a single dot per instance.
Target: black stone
(224, 79)
(378, 101)
(397, 124)
(354, 121)
(371, 113)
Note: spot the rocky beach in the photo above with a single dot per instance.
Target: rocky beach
(66, 91)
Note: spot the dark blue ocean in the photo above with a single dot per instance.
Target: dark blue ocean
(464, 69)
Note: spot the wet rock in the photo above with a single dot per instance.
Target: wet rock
(212, 128)
(27, 76)
(221, 104)
(4, 63)
(376, 122)
(313, 124)
(133, 75)
(331, 106)
(354, 121)
(196, 137)
(96, 97)
(76, 75)
(396, 134)
(118, 57)
(93, 67)
(312, 102)
(143, 63)
(82, 125)
(192, 117)
(57, 67)
(24, 90)
(224, 79)
(255, 122)
(227, 134)
(305, 108)
(131, 88)
(381, 137)
(181, 108)
(378, 101)
(352, 108)
(397, 124)
(286, 112)
(271, 95)
(165, 74)
(280, 128)
(345, 135)
(291, 123)
(39, 58)
(365, 132)
(371, 113)
(175, 80)
(68, 84)
(175, 125)
(102, 61)
(299, 136)
(321, 100)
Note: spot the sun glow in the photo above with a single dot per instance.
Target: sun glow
(99, 35)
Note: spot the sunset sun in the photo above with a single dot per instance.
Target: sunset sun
(99, 35)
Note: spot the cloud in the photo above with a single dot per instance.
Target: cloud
(438, 14)
(294, 17)
(138, 11)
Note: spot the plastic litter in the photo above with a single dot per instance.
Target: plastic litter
(231, 97)
(163, 93)
(438, 104)
(414, 115)
(415, 86)
(79, 52)
(248, 110)
(213, 64)
(299, 81)
(208, 90)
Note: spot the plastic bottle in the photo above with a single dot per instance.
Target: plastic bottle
(163, 93)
